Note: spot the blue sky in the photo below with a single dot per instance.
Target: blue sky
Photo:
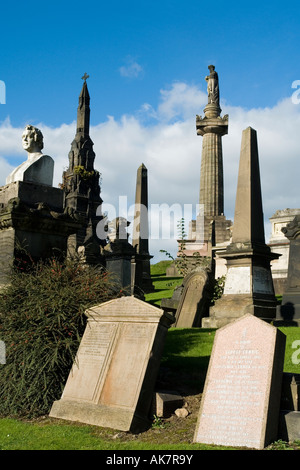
(147, 62)
(47, 46)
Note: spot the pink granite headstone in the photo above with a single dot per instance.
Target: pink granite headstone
(241, 398)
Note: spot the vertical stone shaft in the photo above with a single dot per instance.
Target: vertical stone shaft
(140, 224)
(211, 178)
(83, 112)
(248, 218)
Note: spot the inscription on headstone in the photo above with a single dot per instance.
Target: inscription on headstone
(112, 380)
(241, 399)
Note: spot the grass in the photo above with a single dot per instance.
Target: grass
(164, 286)
(183, 368)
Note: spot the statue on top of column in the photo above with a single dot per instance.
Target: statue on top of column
(213, 86)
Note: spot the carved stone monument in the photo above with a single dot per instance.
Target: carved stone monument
(212, 127)
(241, 400)
(119, 253)
(279, 243)
(248, 284)
(112, 380)
(38, 168)
(81, 186)
(289, 310)
(33, 221)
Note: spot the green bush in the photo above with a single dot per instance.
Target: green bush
(41, 323)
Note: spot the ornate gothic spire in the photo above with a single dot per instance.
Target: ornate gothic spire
(81, 180)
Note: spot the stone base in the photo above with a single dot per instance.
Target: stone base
(32, 194)
(99, 415)
(231, 307)
(165, 403)
(289, 426)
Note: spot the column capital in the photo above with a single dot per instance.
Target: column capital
(216, 125)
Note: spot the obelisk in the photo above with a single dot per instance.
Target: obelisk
(248, 285)
(140, 237)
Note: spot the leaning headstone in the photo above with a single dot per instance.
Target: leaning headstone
(195, 299)
(241, 399)
(112, 380)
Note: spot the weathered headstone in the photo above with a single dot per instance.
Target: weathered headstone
(112, 380)
(195, 299)
(241, 399)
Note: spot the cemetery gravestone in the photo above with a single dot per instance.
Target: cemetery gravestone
(194, 301)
(112, 380)
(241, 399)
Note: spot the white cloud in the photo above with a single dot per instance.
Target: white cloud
(131, 69)
(171, 151)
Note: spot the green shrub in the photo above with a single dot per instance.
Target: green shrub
(41, 323)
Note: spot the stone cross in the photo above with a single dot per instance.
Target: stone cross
(85, 77)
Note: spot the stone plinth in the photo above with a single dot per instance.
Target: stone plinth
(31, 194)
(112, 380)
(241, 399)
(289, 426)
(32, 222)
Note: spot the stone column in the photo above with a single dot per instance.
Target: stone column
(211, 177)
(248, 285)
(212, 128)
